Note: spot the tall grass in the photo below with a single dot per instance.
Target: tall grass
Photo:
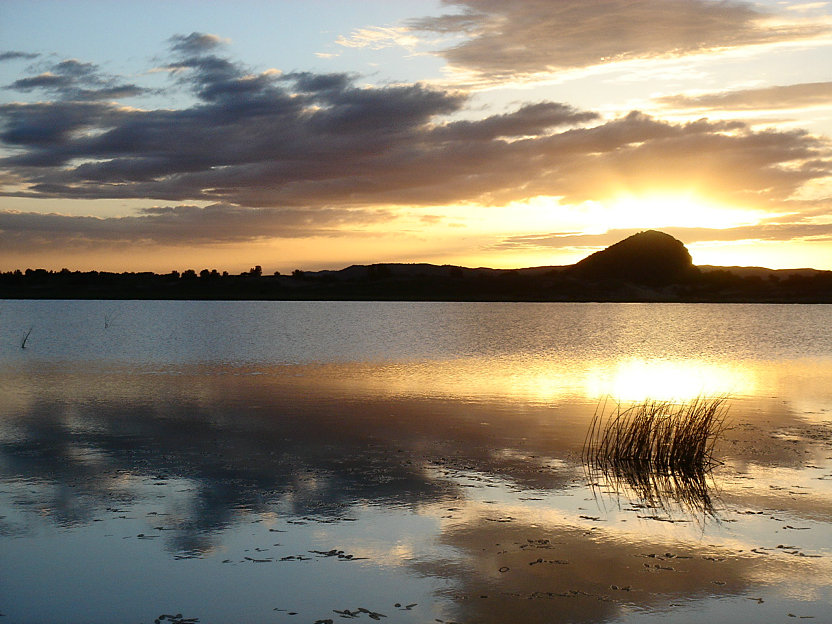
(659, 449)
(659, 435)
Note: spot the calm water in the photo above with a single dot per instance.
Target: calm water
(403, 462)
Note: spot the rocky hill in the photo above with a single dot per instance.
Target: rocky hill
(649, 258)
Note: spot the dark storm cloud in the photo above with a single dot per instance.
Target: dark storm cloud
(73, 80)
(504, 39)
(804, 95)
(320, 146)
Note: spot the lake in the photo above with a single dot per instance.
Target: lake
(405, 462)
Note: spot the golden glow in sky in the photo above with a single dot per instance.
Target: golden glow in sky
(662, 210)
(481, 134)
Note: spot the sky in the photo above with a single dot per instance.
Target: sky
(167, 135)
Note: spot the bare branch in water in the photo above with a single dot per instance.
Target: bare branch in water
(25, 338)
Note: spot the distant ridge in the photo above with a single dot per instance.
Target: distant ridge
(650, 266)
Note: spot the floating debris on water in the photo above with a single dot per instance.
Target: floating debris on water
(340, 554)
(346, 613)
(175, 619)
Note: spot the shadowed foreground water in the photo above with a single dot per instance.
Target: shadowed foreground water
(292, 485)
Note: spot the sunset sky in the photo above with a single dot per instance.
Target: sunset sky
(162, 135)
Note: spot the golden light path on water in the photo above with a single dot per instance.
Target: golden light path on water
(542, 381)
(669, 380)
(534, 381)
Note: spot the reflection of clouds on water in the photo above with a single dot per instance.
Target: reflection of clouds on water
(413, 476)
(229, 473)
(529, 569)
(313, 444)
(260, 447)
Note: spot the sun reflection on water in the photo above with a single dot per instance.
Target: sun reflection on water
(668, 380)
(542, 380)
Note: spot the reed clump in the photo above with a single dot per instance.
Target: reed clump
(661, 450)
(657, 436)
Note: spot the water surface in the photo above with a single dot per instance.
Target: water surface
(299, 461)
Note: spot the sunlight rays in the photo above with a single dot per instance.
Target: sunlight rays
(656, 210)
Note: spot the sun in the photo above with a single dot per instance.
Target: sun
(685, 210)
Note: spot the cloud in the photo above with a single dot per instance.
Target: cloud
(378, 38)
(13, 55)
(305, 140)
(171, 225)
(46, 80)
(74, 80)
(531, 119)
(504, 39)
(307, 82)
(804, 95)
(639, 154)
(275, 146)
(196, 43)
(807, 6)
(41, 131)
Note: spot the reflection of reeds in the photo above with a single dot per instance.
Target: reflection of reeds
(659, 449)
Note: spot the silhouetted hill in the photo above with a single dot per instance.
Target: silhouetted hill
(650, 258)
(649, 266)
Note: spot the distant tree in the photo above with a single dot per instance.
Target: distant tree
(39, 273)
(277, 273)
(297, 273)
(204, 273)
(189, 274)
(256, 271)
